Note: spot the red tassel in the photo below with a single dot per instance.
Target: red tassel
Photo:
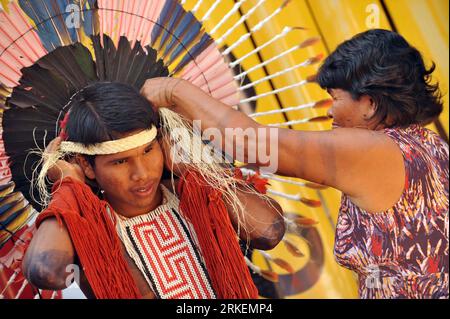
(63, 135)
(95, 239)
(258, 182)
(205, 208)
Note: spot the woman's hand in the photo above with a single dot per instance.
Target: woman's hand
(160, 91)
(63, 168)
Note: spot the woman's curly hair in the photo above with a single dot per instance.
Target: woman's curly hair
(383, 65)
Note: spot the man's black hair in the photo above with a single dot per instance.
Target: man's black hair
(104, 111)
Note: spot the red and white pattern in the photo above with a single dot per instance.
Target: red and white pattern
(163, 248)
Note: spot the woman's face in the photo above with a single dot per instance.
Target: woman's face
(350, 113)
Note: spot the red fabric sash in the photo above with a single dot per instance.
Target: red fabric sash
(98, 246)
(94, 238)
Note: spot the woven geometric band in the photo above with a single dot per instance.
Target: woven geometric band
(111, 147)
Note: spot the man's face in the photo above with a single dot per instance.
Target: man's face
(130, 179)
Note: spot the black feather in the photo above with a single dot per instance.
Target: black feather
(36, 104)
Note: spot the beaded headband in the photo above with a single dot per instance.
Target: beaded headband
(111, 147)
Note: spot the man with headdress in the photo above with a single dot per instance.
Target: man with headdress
(133, 234)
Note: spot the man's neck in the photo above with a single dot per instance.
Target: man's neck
(157, 201)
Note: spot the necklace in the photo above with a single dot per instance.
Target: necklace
(164, 247)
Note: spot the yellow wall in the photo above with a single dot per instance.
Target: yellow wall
(423, 23)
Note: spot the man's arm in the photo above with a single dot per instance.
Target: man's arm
(48, 255)
(262, 224)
